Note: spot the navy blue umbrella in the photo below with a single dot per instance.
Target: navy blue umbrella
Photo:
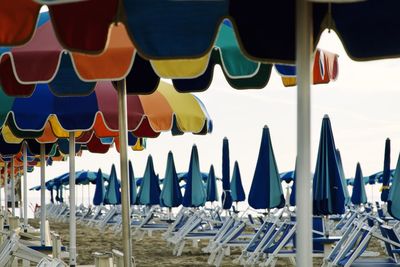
(149, 190)
(226, 186)
(343, 177)
(132, 185)
(113, 194)
(171, 195)
(266, 189)
(51, 196)
(394, 194)
(237, 190)
(100, 190)
(328, 191)
(212, 190)
(292, 198)
(358, 196)
(386, 172)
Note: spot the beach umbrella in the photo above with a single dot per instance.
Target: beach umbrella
(51, 196)
(226, 176)
(113, 195)
(266, 189)
(149, 190)
(328, 191)
(394, 194)
(343, 177)
(287, 176)
(132, 185)
(100, 190)
(292, 198)
(237, 190)
(358, 196)
(195, 194)
(211, 186)
(386, 172)
(171, 195)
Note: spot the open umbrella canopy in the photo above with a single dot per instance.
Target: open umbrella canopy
(358, 196)
(226, 176)
(394, 194)
(195, 194)
(149, 190)
(113, 194)
(100, 190)
(171, 195)
(237, 190)
(386, 172)
(266, 189)
(211, 186)
(328, 191)
(132, 185)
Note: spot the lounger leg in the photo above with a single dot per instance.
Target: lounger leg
(195, 243)
(180, 250)
(228, 251)
(219, 258)
(211, 258)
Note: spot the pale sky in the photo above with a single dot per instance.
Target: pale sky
(362, 105)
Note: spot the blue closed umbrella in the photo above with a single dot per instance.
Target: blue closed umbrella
(226, 186)
(171, 195)
(237, 190)
(266, 189)
(51, 196)
(212, 190)
(195, 194)
(343, 177)
(358, 196)
(132, 185)
(394, 194)
(113, 194)
(292, 198)
(149, 191)
(386, 172)
(99, 192)
(328, 192)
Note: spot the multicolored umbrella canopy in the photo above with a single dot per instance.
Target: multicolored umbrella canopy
(266, 189)
(195, 194)
(171, 195)
(343, 177)
(394, 194)
(113, 194)
(237, 190)
(132, 185)
(149, 190)
(211, 186)
(328, 192)
(386, 172)
(100, 190)
(358, 196)
(226, 197)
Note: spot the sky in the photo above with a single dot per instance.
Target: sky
(362, 104)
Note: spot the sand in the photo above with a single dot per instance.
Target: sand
(151, 251)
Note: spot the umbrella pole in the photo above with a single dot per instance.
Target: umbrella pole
(25, 197)
(1, 209)
(72, 205)
(12, 187)
(6, 193)
(304, 44)
(42, 196)
(123, 152)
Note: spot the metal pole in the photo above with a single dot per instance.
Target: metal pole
(5, 192)
(1, 169)
(12, 187)
(123, 152)
(72, 206)
(25, 198)
(42, 195)
(304, 46)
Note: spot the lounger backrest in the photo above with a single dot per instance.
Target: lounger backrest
(280, 237)
(353, 251)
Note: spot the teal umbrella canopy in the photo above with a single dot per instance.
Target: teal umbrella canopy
(358, 196)
(237, 190)
(195, 194)
(266, 189)
(171, 195)
(212, 190)
(394, 193)
(343, 177)
(132, 185)
(149, 191)
(100, 191)
(113, 194)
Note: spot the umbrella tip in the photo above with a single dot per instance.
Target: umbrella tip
(225, 138)
(326, 116)
(265, 126)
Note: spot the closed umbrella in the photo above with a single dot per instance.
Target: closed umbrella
(386, 172)
(113, 194)
(212, 190)
(266, 189)
(100, 190)
(237, 190)
(132, 185)
(149, 190)
(195, 194)
(171, 195)
(226, 186)
(358, 196)
(343, 177)
(394, 194)
(292, 200)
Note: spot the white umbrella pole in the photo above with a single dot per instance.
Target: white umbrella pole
(42, 195)
(12, 187)
(303, 193)
(88, 189)
(1, 169)
(123, 152)
(5, 192)
(72, 206)
(25, 197)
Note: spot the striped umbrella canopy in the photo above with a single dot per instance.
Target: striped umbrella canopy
(195, 194)
(100, 190)
(226, 197)
(149, 190)
(328, 191)
(343, 177)
(132, 185)
(266, 189)
(211, 186)
(386, 172)
(393, 201)
(171, 195)
(358, 196)
(237, 190)
(113, 194)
